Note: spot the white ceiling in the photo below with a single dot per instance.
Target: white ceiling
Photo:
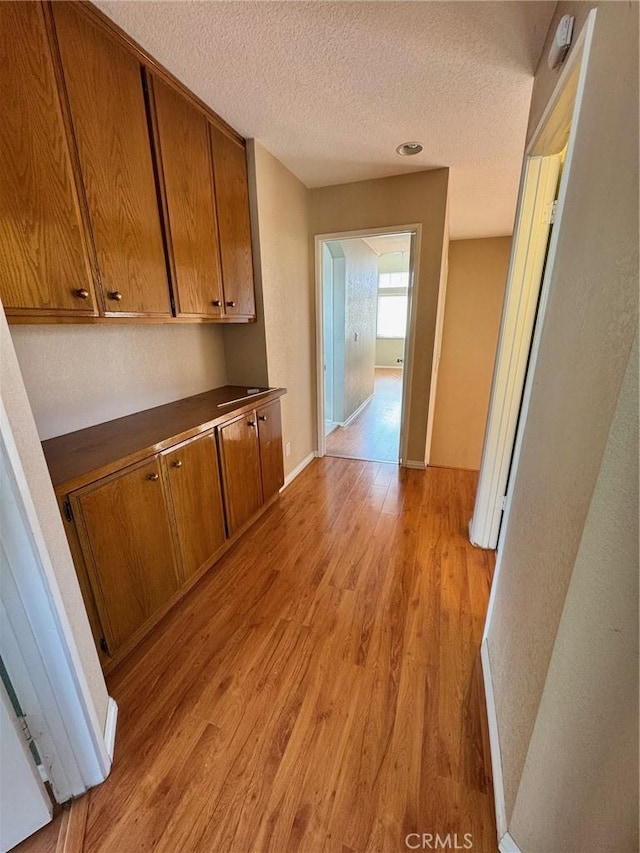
(388, 243)
(331, 88)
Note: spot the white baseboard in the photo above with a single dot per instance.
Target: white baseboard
(388, 366)
(420, 466)
(298, 469)
(508, 845)
(110, 726)
(355, 414)
(496, 758)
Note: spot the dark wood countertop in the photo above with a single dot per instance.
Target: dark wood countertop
(80, 457)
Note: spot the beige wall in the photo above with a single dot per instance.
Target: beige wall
(288, 294)
(361, 290)
(475, 292)
(585, 740)
(80, 375)
(402, 200)
(23, 428)
(584, 345)
(388, 351)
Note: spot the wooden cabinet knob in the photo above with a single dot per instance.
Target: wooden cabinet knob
(152, 477)
(262, 417)
(231, 304)
(216, 303)
(177, 463)
(81, 293)
(251, 423)
(115, 295)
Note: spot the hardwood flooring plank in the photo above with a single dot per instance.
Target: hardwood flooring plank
(319, 690)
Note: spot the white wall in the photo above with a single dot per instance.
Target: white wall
(388, 351)
(80, 375)
(585, 341)
(585, 739)
(361, 290)
(288, 295)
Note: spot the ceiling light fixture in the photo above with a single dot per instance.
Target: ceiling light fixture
(407, 149)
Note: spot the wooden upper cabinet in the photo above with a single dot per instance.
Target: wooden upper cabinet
(240, 461)
(107, 102)
(270, 439)
(232, 197)
(126, 540)
(184, 158)
(44, 260)
(194, 484)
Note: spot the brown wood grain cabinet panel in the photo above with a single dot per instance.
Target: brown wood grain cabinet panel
(240, 461)
(127, 544)
(44, 261)
(104, 87)
(194, 485)
(232, 198)
(270, 438)
(184, 155)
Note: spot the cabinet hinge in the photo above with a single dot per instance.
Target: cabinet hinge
(103, 646)
(554, 207)
(24, 725)
(503, 503)
(68, 512)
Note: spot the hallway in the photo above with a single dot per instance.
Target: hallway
(320, 689)
(375, 433)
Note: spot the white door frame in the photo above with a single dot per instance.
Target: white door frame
(25, 806)
(37, 644)
(415, 229)
(518, 341)
(437, 346)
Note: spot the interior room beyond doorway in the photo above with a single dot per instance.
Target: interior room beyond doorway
(365, 290)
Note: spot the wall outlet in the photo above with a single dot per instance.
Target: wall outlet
(287, 449)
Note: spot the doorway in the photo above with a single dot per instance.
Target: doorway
(364, 290)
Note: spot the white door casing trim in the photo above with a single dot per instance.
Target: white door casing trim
(528, 251)
(38, 647)
(514, 363)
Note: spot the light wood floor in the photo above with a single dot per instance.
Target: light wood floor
(375, 433)
(320, 689)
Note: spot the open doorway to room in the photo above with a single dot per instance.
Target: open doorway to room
(365, 283)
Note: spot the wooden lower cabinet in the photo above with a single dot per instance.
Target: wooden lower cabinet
(143, 534)
(191, 470)
(240, 462)
(127, 544)
(270, 440)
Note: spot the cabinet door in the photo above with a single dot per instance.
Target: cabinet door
(126, 540)
(194, 484)
(44, 265)
(240, 458)
(270, 437)
(232, 199)
(184, 154)
(104, 86)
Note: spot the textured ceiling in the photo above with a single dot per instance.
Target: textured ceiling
(388, 243)
(331, 88)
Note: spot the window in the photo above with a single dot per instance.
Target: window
(392, 304)
(399, 280)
